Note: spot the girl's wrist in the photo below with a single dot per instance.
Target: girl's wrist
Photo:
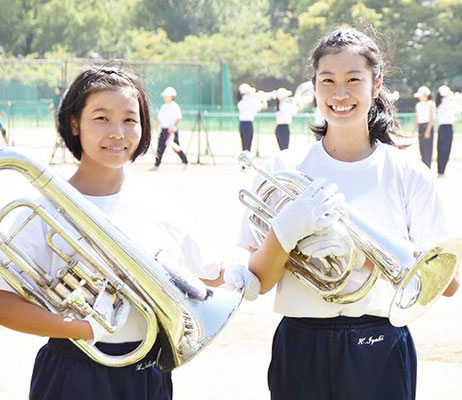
(78, 329)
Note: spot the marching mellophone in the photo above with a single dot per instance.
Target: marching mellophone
(419, 278)
(180, 312)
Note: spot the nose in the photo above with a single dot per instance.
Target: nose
(341, 92)
(117, 131)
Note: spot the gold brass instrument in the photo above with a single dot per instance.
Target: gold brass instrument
(179, 310)
(419, 278)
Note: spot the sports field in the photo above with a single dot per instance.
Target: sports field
(234, 366)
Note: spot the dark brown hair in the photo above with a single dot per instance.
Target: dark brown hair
(93, 80)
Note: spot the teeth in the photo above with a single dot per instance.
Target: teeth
(342, 108)
(115, 148)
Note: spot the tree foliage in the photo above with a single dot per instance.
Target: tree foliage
(258, 39)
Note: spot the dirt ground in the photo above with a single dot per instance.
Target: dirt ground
(234, 365)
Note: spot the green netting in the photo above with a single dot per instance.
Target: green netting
(28, 85)
(29, 80)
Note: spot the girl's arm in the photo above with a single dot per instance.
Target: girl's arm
(268, 262)
(20, 315)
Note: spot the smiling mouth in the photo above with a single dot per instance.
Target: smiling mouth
(337, 108)
(115, 148)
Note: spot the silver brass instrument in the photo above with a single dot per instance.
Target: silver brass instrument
(419, 278)
(304, 95)
(179, 310)
(265, 96)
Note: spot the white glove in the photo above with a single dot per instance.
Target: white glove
(313, 210)
(238, 277)
(172, 128)
(330, 243)
(116, 317)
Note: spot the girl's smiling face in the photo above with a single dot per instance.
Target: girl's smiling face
(109, 128)
(345, 88)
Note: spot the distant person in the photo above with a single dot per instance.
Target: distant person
(169, 117)
(286, 108)
(446, 111)
(425, 117)
(249, 105)
(2, 129)
(59, 143)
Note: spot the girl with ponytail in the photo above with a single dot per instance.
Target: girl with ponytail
(324, 350)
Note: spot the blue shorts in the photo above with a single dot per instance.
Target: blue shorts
(342, 359)
(63, 372)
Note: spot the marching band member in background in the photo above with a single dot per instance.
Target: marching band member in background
(323, 349)
(104, 121)
(285, 110)
(249, 105)
(446, 110)
(425, 118)
(169, 117)
(3, 130)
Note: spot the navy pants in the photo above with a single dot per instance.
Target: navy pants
(161, 146)
(63, 372)
(282, 135)
(342, 358)
(445, 136)
(426, 145)
(246, 131)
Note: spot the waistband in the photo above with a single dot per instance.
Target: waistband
(65, 346)
(340, 321)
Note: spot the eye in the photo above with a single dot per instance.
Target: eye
(131, 120)
(354, 79)
(327, 80)
(101, 118)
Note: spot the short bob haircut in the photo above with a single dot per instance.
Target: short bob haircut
(93, 80)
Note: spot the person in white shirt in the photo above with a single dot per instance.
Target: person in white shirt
(446, 111)
(248, 105)
(425, 118)
(3, 130)
(168, 118)
(104, 121)
(285, 110)
(324, 349)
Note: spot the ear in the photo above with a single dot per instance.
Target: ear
(377, 86)
(75, 127)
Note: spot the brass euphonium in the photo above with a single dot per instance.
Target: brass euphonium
(179, 310)
(419, 278)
